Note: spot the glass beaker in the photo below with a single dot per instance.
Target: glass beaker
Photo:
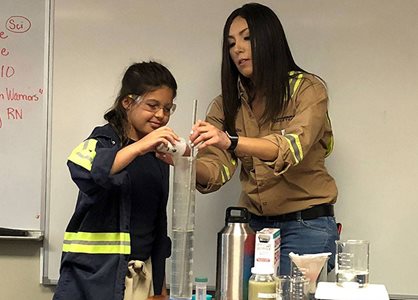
(299, 288)
(283, 287)
(352, 263)
(292, 287)
(313, 266)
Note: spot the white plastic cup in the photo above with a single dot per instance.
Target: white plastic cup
(176, 150)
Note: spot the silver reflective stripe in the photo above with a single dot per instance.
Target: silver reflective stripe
(294, 147)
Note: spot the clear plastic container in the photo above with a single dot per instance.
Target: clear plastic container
(200, 287)
(262, 284)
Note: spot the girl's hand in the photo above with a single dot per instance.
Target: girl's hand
(159, 136)
(205, 134)
(168, 158)
(148, 143)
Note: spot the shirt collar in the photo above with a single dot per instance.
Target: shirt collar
(242, 93)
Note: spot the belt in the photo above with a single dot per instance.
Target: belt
(322, 210)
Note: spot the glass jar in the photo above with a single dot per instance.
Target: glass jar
(262, 284)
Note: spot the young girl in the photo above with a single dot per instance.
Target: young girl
(117, 235)
(273, 117)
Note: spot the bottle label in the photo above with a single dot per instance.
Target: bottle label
(266, 295)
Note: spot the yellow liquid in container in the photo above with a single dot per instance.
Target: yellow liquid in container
(260, 290)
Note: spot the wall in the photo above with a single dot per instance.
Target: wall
(20, 271)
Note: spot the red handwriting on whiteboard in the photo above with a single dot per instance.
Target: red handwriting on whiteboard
(18, 24)
(6, 71)
(4, 52)
(15, 97)
(14, 113)
(3, 35)
(11, 94)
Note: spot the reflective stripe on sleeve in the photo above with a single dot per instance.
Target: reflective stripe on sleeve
(225, 174)
(84, 154)
(233, 162)
(296, 85)
(294, 82)
(97, 242)
(295, 146)
(330, 144)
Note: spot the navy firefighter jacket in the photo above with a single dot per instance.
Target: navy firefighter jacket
(99, 238)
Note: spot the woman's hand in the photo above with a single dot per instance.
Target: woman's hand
(205, 134)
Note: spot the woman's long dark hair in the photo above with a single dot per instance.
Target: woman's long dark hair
(272, 62)
(139, 79)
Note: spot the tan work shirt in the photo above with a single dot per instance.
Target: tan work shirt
(297, 179)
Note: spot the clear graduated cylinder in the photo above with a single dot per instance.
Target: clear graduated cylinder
(183, 222)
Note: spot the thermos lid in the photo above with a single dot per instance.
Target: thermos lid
(236, 214)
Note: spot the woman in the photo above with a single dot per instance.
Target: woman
(117, 235)
(272, 116)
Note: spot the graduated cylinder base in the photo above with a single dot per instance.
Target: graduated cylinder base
(181, 287)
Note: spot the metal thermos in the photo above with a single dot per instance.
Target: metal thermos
(235, 255)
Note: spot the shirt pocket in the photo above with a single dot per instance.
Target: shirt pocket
(280, 124)
(247, 163)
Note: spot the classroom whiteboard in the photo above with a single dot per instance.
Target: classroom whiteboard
(24, 68)
(364, 50)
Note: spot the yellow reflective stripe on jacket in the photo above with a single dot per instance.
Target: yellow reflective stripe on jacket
(225, 174)
(296, 85)
(295, 146)
(233, 161)
(84, 154)
(97, 242)
(330, 144)
(294, 82)
(293, 139)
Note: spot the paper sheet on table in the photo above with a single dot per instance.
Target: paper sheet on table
(331, 291)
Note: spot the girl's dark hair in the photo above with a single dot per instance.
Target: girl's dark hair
(139, 79)
(272, 62)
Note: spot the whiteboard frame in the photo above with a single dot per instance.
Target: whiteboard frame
(47, 184)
